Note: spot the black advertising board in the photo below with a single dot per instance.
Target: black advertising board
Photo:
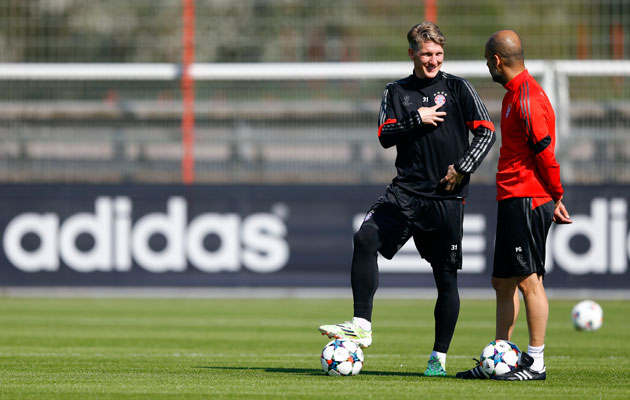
(270, 236)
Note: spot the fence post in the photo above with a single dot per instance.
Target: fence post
(188, 91)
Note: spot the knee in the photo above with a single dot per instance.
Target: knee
(445, 280)
(502, 286)
(367, 239)
(497, 284)
(531, 286)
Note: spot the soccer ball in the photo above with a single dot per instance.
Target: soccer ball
(587, 316)
(500, 357)
(342, 358)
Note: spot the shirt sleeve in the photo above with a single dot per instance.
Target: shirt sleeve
(478, 122)
(537, 118)
(392, 127)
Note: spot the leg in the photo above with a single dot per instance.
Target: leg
(364, 273)
(520, 262)
(536, 307)
(445, 314)
(508, 304)
(384, 230)
(446, 309)
(507, 311)
(364, 278)
(438, 231)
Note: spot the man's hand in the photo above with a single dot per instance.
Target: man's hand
(560, 214)
(430, 115)
(452, 178)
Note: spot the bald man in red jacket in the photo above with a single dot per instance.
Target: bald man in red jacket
(529, 193)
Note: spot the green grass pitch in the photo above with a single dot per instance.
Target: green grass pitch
(269, 349)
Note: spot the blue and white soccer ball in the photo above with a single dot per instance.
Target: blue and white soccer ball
(587, 316)
(500, 357)
(342, 358)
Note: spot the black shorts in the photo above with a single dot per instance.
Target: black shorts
(521, 237)
(436, 226)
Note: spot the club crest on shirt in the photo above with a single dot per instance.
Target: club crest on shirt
(507, 113)
(440, 98)
(406, 101)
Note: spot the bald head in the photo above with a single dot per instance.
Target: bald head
(507, 45)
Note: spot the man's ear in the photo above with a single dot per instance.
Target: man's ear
(498, 64)
(410, 52)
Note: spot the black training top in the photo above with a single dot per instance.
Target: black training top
(424, 152)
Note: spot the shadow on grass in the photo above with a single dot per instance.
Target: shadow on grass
(318, 372)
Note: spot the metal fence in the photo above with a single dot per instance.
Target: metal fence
(302, 30)
(102, 128)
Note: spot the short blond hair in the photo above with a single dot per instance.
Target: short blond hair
(425, 32)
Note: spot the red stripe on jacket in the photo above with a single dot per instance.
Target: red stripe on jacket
(388, 121)
(472, 125)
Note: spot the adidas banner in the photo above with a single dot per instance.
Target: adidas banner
(293, 236)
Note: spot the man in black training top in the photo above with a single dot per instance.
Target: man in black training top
(427, 116)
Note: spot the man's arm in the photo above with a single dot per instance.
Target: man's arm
(540, 140)
(478, 122)
(392, 128)
(483, 139)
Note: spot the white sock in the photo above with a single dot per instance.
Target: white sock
(537, 354)
(440, 356)
(363, 323)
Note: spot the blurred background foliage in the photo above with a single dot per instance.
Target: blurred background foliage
(301, 30)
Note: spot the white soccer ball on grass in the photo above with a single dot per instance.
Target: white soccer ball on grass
(500, 357)
(587, 316)
(342, 358)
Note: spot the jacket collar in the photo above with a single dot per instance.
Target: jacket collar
(517, 81)
(425, 82)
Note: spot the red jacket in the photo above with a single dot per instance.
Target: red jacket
(527, 164)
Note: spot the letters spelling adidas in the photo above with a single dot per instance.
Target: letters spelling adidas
(256, 242)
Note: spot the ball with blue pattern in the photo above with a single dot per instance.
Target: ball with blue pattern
(342, 358)
(500, 357)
